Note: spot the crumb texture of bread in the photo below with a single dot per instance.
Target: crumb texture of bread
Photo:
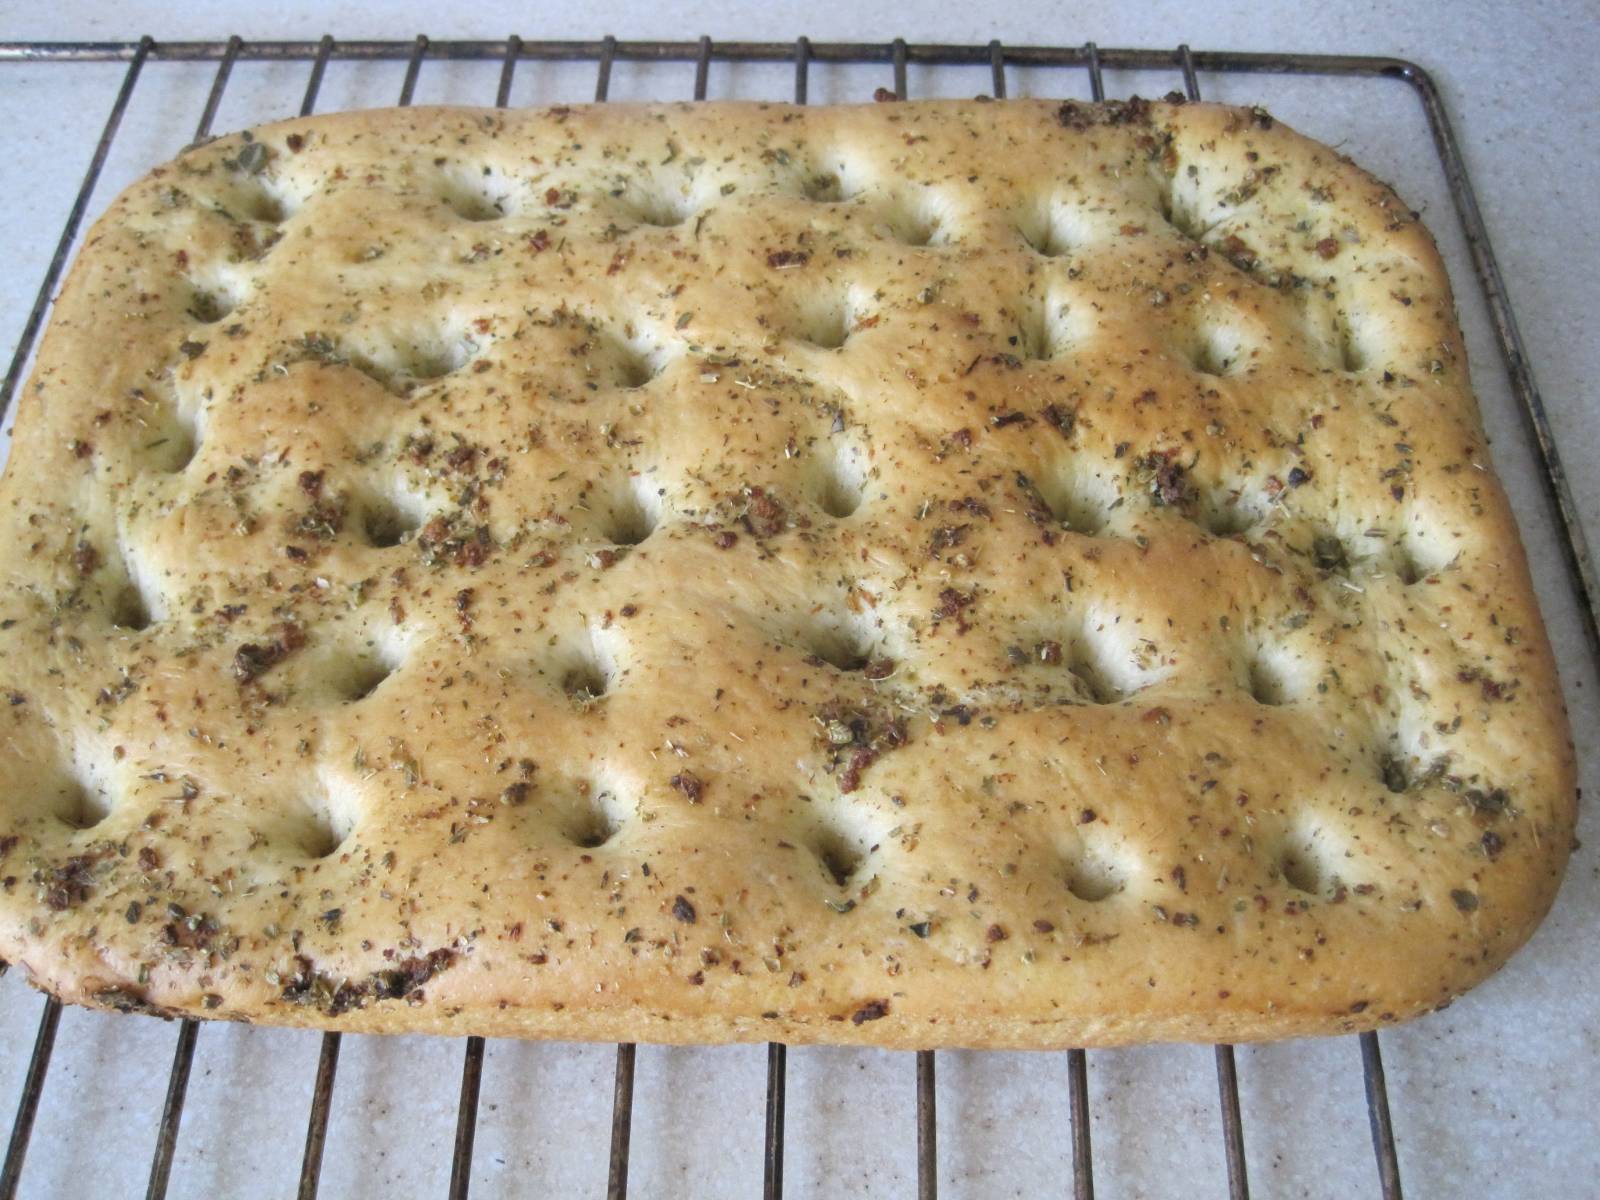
(1011, 574)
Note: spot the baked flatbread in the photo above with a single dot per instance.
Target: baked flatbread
(925, 574)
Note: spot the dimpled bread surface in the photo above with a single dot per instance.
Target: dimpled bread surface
(924, 574)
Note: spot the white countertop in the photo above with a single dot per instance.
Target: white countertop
(1493, 1098)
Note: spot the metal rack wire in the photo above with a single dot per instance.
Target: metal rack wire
(803, 53)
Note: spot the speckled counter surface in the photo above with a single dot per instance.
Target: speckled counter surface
(1492, 1098)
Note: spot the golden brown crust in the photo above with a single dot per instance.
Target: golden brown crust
(1006, 574)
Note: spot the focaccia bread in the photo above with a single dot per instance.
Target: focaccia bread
(940, 574)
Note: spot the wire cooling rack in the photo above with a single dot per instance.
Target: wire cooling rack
(898, 56)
